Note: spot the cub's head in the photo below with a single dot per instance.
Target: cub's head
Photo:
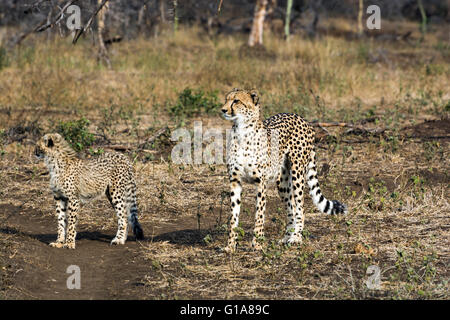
(52, 145)
(241, 105)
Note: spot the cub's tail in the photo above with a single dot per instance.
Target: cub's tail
(324, 205)
(134, 223)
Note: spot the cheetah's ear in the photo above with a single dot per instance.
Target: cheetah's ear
(50, 143)
(254, 95)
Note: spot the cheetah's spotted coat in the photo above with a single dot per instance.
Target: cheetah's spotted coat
(279, 149)
(74, 180)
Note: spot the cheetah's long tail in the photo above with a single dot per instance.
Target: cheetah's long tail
(323, 204)
(133, 220)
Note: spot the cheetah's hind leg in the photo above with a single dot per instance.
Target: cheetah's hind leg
(115, 196)
(296, 218)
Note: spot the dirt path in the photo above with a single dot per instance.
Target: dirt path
(398, 221)
(106, 271)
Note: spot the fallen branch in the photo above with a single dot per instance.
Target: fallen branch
(363, 131)
(112, 40)
(25, 34)
(331, 124)
(118, 147)
(353, 129)
(141, 147)
(153, 138)
(427, 137)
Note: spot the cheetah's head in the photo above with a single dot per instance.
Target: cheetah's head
(52, 145)
(241, 105)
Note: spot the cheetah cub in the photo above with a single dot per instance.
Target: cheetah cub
(279, 149)
(74, 180)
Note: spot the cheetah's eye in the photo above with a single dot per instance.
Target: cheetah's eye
(235, 101)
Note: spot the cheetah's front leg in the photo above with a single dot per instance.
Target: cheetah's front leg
(61, 207)
(236, 189)
(72, 217)
(258, 233)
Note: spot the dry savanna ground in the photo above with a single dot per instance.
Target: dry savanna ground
(389, 164)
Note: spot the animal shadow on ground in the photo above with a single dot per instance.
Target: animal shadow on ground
(182, 237)
(50, 237)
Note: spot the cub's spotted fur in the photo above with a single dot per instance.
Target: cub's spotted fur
(279, 149)
(73, 180)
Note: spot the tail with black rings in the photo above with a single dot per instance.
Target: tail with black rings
(319, 200)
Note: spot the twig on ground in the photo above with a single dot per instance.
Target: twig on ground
(118, 147)
(141, 147)
(153, 138)
(331, 124)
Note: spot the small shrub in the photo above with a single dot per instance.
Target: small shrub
(191, 103)
(376, 195)
(4, 61)
(76, 133)
(363, 53)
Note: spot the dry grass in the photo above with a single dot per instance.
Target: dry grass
(55, 76)
(397, 188)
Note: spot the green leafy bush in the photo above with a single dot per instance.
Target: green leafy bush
(191, 103)
(76, 133)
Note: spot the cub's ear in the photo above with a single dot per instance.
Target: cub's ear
(255, 96)
(50, 143)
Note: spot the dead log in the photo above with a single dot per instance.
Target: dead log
(118, 147)
(153, 138)
(331, 124)
(353, 129)
(140, 147)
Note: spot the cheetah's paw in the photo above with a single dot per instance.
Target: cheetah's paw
(69, 245)
(290, 240)
(57, 244)
(117, 241)
(229, 249)
(256, 245)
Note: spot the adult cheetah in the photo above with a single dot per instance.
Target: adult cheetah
(279, 149)
(74, 180)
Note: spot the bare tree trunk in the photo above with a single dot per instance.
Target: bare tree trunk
(287, 22)
(423, 25)
(311, 28)
(142, 17)
(102, 52)
(360, 16)
(162, 10)
(175, 15)
(49, 19)
(256, 34)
